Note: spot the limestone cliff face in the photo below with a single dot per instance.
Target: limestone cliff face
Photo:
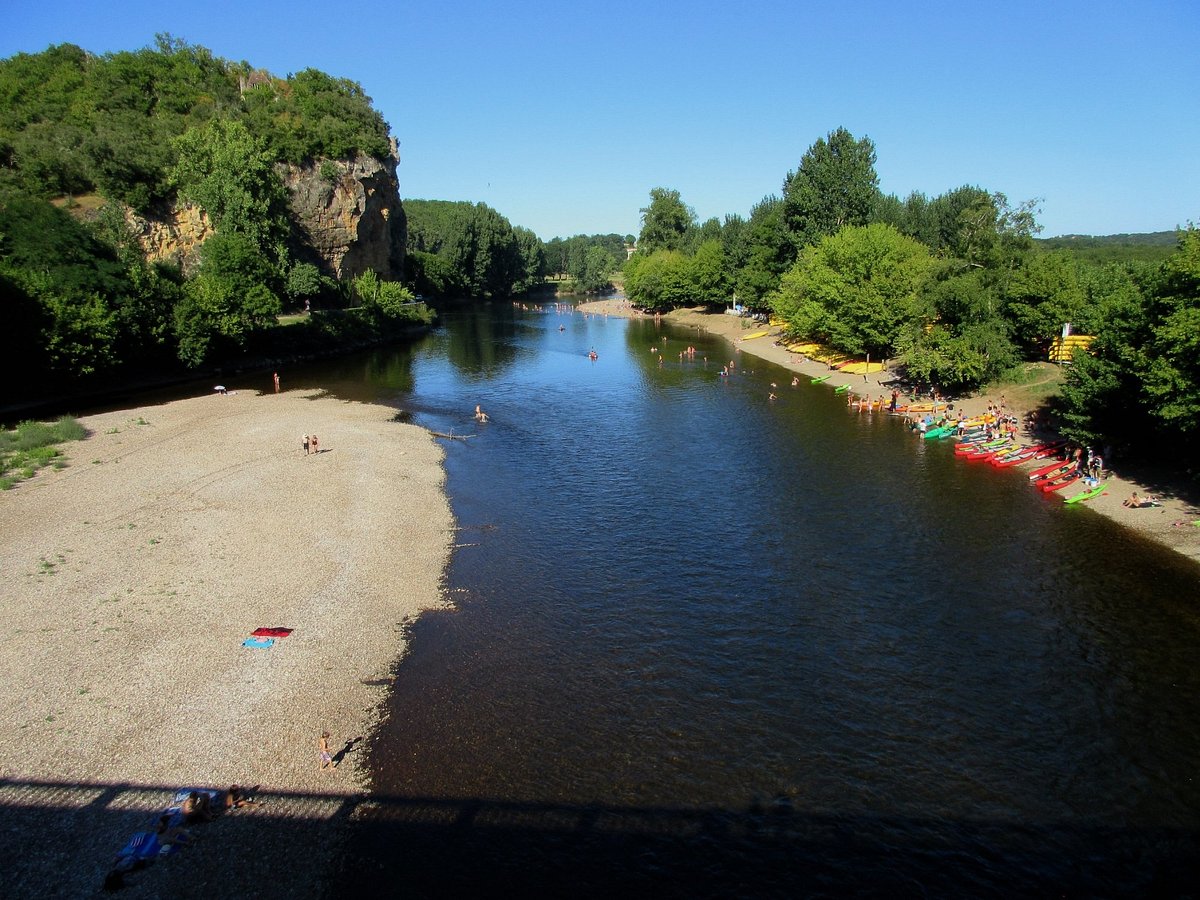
(346, 213)
(173, 235)
(349, 215)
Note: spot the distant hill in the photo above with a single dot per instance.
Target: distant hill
(1152, 247)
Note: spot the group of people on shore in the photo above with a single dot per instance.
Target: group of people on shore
(171, 829)
(310, 444)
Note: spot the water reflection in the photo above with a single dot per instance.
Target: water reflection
(681, 596)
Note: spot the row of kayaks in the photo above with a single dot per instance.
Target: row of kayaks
(1003, 452)
(972, 442)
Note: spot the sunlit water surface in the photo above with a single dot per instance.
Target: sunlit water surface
(706, 644)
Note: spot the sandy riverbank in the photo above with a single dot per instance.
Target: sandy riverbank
(131, 579)
(1180, 501)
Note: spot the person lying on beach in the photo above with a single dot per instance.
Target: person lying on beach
(172, 834)
(237, 797)
(1136, 502)
(196, 808)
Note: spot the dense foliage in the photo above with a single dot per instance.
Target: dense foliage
(1153, 247)
(470, 250)
(588, 260)
(169, 123)
(955, 289)
(72, 122)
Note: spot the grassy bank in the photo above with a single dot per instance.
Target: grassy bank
(31, 446)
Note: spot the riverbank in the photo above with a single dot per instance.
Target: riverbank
(1180, 502)
(134, 575)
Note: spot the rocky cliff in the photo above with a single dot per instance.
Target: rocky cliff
(347, 217)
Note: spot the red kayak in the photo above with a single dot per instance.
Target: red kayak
(1051, 471)
(1011, 459)
(986, 453)
(1059, 483)
(1049, 449)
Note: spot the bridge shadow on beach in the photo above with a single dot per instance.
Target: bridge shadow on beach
(59, 840)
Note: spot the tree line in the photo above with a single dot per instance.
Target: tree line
(953, 288)
(142, 130)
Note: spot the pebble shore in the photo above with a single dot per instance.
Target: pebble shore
(131, 578)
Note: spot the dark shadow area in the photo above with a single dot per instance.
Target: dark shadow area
(59, 839)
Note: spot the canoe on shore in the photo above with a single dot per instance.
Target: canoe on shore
(1086, 495)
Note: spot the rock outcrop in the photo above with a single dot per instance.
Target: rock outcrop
(349, 215)
(173, 235)
(346, 214)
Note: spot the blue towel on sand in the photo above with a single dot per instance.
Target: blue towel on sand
(261, 643)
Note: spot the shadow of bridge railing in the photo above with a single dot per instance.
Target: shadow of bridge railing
(57, 839)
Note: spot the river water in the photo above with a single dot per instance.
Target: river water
(706, 644)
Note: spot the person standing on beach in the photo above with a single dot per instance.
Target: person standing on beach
(277, 382)
(323, 751)
(314, 444)
(304, 444)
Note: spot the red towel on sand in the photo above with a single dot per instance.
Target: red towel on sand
(271, 632)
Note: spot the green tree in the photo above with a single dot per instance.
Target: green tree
(766, 252)
(707, 274)
(1172, 376)
(1042, 295)
(856, 290)
(665, 222)
(303, 282)
(835, 187)
(533, 259)
(228, 300)
(478, 251)
(594, 270)
(659, 280)
(226, 171)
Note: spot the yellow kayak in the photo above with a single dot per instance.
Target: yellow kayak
(757, 334)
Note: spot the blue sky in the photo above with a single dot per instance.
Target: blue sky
(563, 116)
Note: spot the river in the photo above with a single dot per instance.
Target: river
(707, 644)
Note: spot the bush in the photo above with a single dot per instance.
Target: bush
(30, 446)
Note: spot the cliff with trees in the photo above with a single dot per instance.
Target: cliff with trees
(163, 206)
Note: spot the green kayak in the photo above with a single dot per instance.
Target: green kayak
(821, 378)
(841, 389)
(1087, 495)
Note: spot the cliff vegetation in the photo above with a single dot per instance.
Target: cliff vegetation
(161, 207)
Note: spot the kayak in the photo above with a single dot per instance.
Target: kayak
(821, 378)
(1057, 484)
(971, 439)
(1011, 459)
(969, 447)
(757, 334)
(1052, 470)
(841, 389)
(934, 433)
(1086, 495)
(1050, 448)
(985, 453)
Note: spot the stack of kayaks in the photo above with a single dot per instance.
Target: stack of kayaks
(974, 440)
(979, 449)
(1058, 482)
(1056, 468)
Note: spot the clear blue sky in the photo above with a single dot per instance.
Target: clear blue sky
(563, 116)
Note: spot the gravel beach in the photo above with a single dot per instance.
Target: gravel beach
(132, 578)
